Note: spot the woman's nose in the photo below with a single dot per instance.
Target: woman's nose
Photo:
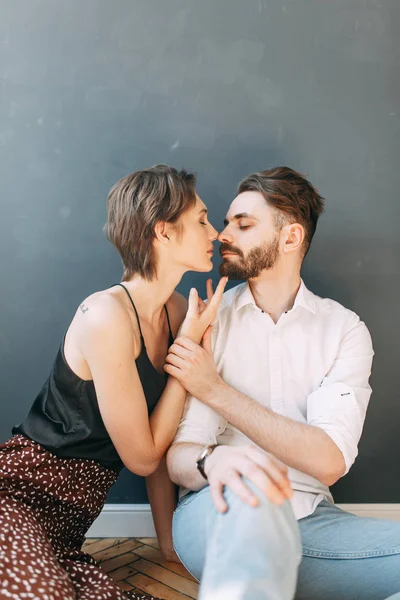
(213, 234)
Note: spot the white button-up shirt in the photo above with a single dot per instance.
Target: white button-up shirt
(312, 366)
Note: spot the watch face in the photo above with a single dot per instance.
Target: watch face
(200, 461)
(206, 453)
(203, 454)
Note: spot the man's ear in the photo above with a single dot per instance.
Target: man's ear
(294, 236)
(163, 232)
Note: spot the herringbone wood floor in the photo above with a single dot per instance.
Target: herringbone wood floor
(137, 564)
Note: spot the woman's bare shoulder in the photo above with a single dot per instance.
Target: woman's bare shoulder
(100, 322)
(103, 305)
(103, 316)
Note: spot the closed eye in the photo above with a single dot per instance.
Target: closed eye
(244, 226)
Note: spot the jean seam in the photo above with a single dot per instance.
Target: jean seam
(178, 555)
(350, 555)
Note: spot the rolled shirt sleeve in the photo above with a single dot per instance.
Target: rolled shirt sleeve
(340, 404)
(200, 424)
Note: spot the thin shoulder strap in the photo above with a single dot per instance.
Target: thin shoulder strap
(134, 308)
(169, 324)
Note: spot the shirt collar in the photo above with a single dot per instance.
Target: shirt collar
(304, 298)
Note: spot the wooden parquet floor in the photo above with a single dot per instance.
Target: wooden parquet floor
(137, 564)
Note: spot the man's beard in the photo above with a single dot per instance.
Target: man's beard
(258, 259)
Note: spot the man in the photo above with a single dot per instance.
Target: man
(286, 382)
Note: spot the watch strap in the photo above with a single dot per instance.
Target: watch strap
(202, 459)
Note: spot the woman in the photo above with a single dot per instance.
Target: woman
(107, 402)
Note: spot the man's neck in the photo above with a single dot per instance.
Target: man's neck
(275, 292)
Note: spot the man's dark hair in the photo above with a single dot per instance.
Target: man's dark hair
(295, 199)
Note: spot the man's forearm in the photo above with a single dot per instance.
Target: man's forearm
(181, 464)
(299, 445)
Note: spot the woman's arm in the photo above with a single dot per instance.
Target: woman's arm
(162, 493)
(106, 342)
(108, 346)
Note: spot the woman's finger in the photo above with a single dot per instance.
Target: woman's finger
(202, 305)
(210, 291)
(217, 296)
(193, 303)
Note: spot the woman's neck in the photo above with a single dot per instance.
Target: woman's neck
(151, 296)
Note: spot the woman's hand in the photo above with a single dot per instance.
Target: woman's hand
(170, 555)
(200, 315)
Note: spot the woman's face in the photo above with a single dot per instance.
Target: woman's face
(193, 247)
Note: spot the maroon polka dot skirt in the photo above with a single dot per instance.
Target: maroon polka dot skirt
(47, 504)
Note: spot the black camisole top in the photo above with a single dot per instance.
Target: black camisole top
(65, 417)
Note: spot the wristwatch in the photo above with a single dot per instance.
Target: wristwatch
(205, 453)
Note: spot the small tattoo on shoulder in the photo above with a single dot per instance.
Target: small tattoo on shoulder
(83, 308)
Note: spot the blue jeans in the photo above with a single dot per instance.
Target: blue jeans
(263, 553)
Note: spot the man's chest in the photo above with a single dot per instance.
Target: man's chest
(279, 366)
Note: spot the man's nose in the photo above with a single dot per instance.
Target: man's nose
(224, 236)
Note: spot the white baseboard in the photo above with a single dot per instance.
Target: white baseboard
(378, 511)
(123, 520)
(135, 520)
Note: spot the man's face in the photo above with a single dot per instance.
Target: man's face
(250, 240)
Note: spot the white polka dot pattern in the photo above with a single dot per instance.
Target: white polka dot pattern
(47, 504)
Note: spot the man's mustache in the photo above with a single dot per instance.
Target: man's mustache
(227, 248)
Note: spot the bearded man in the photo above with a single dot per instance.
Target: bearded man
(276, 406)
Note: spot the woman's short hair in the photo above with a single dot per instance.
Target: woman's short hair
(136, 203)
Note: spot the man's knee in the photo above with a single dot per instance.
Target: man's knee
(276, 521)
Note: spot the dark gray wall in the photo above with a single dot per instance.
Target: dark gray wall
(93, 90)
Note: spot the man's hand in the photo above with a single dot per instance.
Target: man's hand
(193, 366)
(226, 466)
